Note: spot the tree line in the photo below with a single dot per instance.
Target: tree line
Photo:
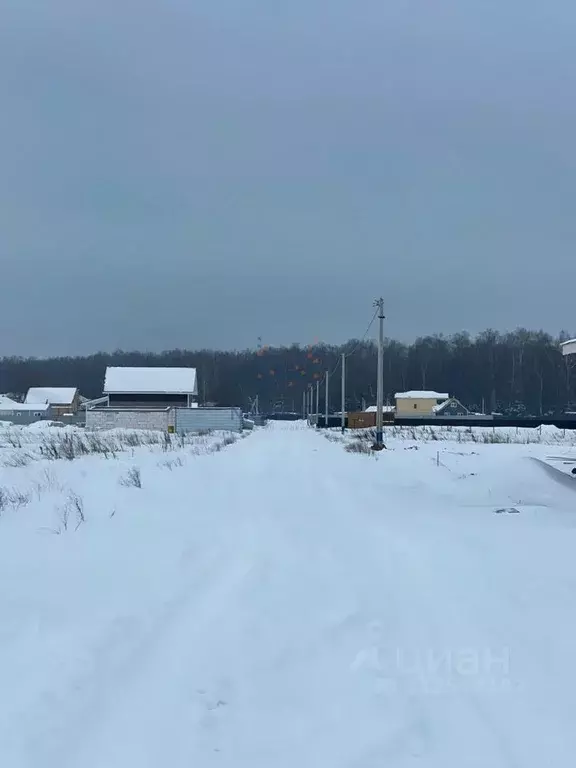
(518, 373)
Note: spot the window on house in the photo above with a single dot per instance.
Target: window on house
(415, 406)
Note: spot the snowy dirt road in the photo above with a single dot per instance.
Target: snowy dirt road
(284, 603)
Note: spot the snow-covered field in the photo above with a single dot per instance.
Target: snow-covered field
(284, 602)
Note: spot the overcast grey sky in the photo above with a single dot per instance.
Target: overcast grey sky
(203, 172)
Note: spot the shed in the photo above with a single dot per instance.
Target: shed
(154, 388)
(361, 420)
(367, 418)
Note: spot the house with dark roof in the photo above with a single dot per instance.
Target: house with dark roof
(450, 407)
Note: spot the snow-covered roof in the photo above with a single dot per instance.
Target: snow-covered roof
(442, 406)
(423, 394)
(52, 395)
(150, 381)
(385, 409)
(569, 347)
(91, 403)
(7, 404)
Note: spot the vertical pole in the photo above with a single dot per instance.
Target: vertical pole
(343, 406)
(380, 378)
(317, 401)
(326, 401)
(304, 404)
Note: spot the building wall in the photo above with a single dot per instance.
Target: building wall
(26, 417)
(110, 418)
(127, 400)
(59, 409)
(405, 406)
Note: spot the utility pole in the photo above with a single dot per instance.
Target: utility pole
(317, 401)
(343, 416)
(304, 404)
(310, 399)
(378, 445)
(326, 400)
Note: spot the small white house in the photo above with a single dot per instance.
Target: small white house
(22, 412)
(569, 347)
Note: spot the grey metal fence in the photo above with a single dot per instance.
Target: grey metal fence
(199, 419)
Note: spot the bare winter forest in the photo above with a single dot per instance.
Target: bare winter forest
(520, 373)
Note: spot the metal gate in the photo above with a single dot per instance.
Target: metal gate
(200, 419)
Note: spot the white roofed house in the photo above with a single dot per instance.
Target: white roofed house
(23, 413)
(62, 400)
(569, 347)
(150, 387)
(143, 398)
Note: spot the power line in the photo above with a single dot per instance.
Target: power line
(346, 355)
(365, 334)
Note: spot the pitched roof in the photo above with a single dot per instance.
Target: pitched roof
(150, 381)
(7, 404)
(423, 394)
(52, 395)
(569, 347)
(446, 403)
(385, 409)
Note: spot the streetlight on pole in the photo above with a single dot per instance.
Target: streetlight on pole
(379, 445)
